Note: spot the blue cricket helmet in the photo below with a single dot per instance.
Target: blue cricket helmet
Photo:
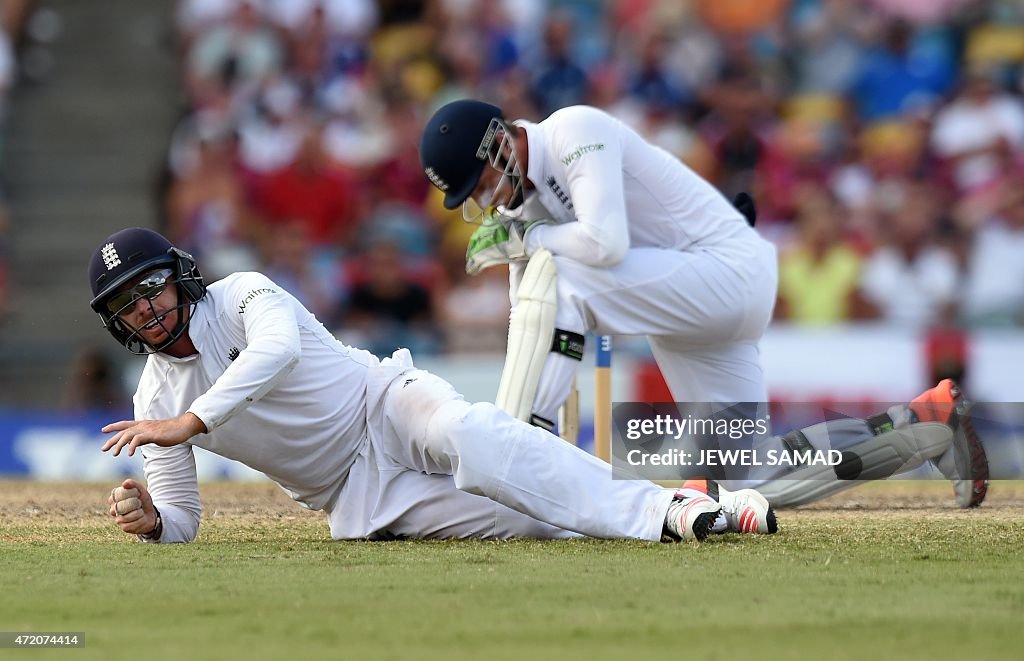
(450, 147)
(124, 257)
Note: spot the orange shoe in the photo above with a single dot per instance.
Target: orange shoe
(936, 404)
(945, 403)
(706, 487)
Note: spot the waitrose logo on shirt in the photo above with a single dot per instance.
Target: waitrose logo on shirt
(251, 295)
(580, 151)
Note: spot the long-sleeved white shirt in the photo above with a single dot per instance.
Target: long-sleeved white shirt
(609, 189)
(275, 389)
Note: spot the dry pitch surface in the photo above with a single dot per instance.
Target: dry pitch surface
(262, 502)
(886, 570)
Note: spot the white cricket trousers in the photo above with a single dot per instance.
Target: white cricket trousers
(703, 311)
(436, 466)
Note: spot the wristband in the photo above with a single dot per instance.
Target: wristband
(154, 534)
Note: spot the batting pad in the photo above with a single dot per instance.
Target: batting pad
(865, 457)
(530, 328)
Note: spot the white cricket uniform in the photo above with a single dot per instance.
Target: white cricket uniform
(386, 449)
(645, 246)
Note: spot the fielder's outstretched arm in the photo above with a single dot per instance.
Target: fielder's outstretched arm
(173, 485)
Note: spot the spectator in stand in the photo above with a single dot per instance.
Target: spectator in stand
(195, 18)
(396, 176)
(559, 81)
(488, 22)
(346, 22)
(386, 309)
(242, 51)
(910, 278)
(741, 115)
(607, 90)
(325, 38)
(207, 211)
(462, 57)
(290, 261)
(474, 313)
(946, 354)
(994, 289)
(326, 199)
(357, 135)
(819, 273)
(828, 45)
(309, 51)
(650, 82)
(663, 103)
(738, 148)
(896, 79)
(413, 233)
(271, 130)
(795, 153)
(978, 133)
(884, 159)
(512, 90)
(994, 41)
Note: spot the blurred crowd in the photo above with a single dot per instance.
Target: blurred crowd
(883, 141)
(13, 17)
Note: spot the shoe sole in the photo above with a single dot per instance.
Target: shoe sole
(701, 527)
(977, 485)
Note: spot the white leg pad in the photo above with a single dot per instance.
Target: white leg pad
(530, 331)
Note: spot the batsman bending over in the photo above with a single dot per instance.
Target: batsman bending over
(242, 369)
(605, 232)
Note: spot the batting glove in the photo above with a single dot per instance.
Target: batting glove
(497, 243)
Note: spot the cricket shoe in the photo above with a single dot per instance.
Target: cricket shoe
(743, 510)
(690, 517)
(945, 403)
(747, 511)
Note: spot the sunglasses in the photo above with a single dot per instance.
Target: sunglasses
(148, 288)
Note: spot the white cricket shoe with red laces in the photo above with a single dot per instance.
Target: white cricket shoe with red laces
(690, 517)
(747, 511)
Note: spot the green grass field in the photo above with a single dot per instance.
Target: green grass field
(887, 570)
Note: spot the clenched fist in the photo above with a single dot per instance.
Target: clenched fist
(132, 508)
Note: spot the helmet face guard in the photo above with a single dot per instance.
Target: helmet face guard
(126, 259)
(147, 289)
(498, 148)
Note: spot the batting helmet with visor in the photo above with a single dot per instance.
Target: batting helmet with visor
(139, 254)
(459, 141)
